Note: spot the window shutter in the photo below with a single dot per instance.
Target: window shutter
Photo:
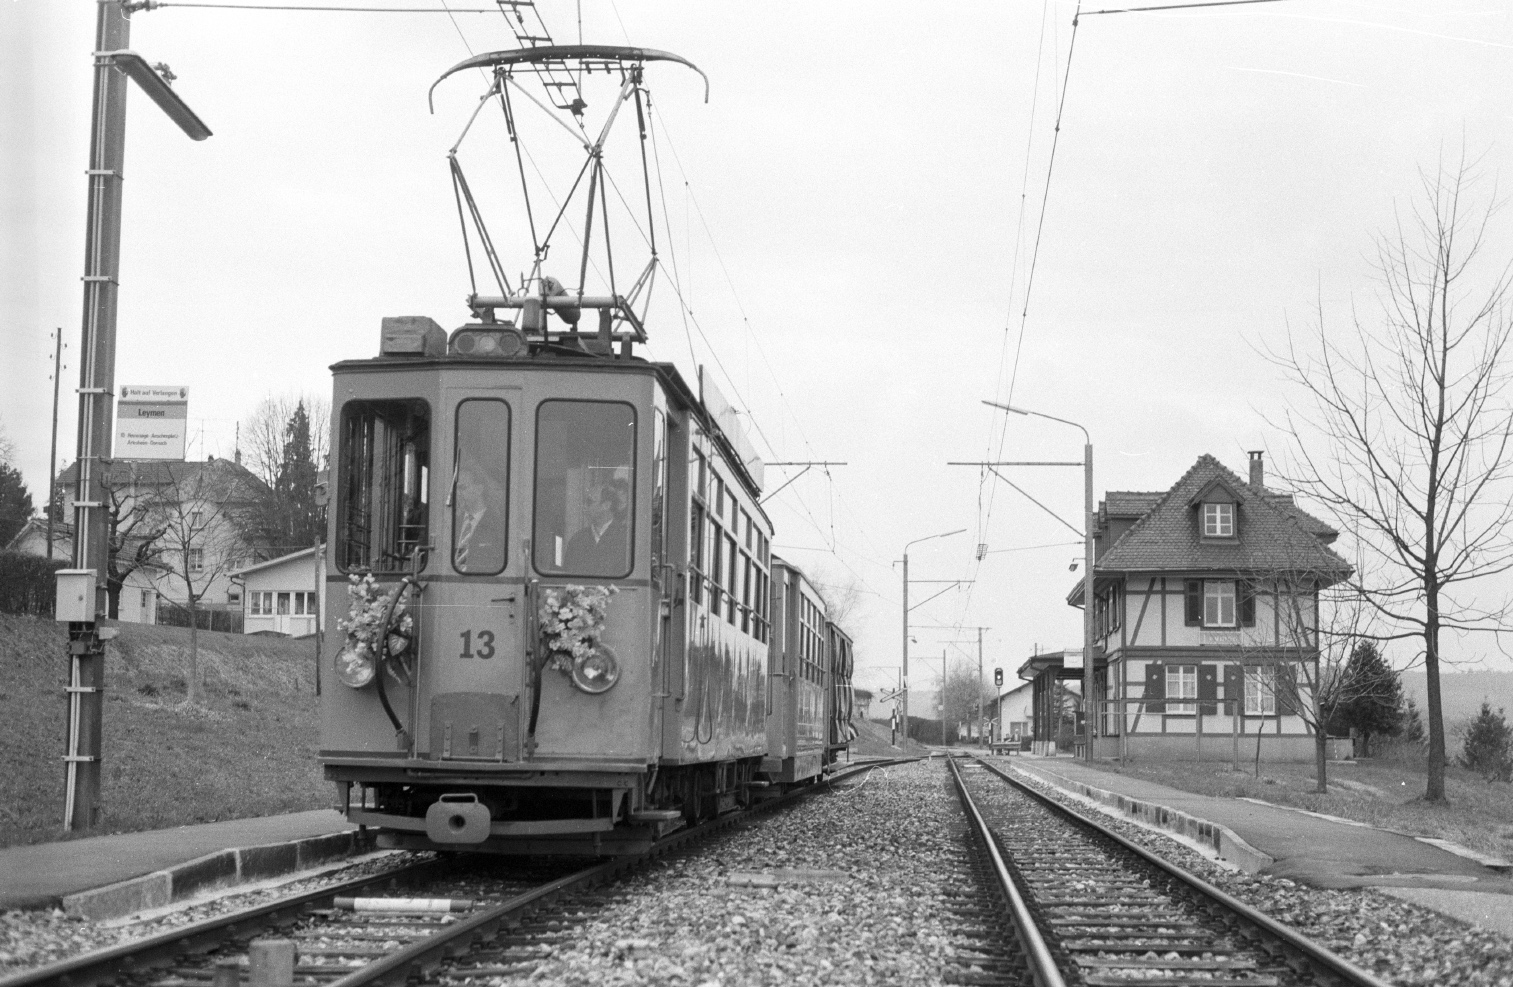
(1208, 688)
(1234, 686)
(1155, 687)
(1288, 703)
(1194, 611)
(1247, 593)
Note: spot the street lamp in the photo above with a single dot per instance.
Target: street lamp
(1087, 570)
(905, 650)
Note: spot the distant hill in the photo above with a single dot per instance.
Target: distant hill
(1462, 692)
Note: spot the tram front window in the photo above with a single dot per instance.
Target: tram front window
(480, 487)
(383, 508)
(585, 488)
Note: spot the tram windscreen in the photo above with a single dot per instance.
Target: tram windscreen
(384, 479)
(585, 488)
(480, 487)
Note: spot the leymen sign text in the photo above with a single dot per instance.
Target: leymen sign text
(151, 422)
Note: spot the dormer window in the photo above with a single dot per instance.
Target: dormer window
(1218, 520)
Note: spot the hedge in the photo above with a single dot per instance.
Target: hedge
(27, 583)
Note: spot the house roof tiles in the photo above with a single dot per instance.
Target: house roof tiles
(1273, 533)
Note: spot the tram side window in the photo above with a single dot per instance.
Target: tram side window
(480, 487)
(735, 574)
(585, 488)
(717, 556)
(696, 553)
(383, 507)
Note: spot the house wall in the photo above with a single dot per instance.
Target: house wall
(1128, 678)
(1153, 614)
(294, 576)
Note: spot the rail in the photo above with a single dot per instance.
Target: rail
(1026, 930)
(1298, 948)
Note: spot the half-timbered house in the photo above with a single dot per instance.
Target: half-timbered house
(1205, 609)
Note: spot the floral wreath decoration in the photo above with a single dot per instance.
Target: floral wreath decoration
(368, 618)
(572, 624)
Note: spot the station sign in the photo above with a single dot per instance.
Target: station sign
(1071, 658)
(152, 422)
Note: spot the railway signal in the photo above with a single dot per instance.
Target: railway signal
(998, 678)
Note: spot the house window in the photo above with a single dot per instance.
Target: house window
(146, 600)
(1261, 690)
(1218, 603)
(1218, 520)
(283, 604)
(196, 560)
(1182, 683)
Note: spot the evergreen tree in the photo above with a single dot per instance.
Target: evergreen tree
(1411, 723)
(1488, 748)
(294, 487)
(15, 503)
(1370, 696)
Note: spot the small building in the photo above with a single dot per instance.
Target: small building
(1055, 700)
(1014, 712)
(1205, 617)
(283, 595)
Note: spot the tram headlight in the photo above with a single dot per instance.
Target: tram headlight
(597, 671)
(354, 666)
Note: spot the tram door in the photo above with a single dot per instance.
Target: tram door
(475, 678)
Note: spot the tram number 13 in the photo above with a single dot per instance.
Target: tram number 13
(485, 647)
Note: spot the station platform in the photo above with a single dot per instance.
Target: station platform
(102, 877)
(1301, 846)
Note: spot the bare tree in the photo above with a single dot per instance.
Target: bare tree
(286, 441)
(1321, 621)
(135, 529)
(1406, 431)
(264, 433)
(204, 512)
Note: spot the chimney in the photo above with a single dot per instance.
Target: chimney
(1257, 469)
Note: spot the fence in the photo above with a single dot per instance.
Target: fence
(1121, 716)
(211, 618)
(27, 584)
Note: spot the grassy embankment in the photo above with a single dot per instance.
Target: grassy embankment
(248, 751)
(1385, 791)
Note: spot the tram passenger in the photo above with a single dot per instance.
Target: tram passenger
(601, 546)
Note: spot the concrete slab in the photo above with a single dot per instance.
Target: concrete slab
(145, 866)
(1303, 846)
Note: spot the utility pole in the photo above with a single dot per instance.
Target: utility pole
(52, 455)
(981, 684)
(114, 63)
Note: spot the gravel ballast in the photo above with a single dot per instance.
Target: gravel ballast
(866, 879)
(1396, 940)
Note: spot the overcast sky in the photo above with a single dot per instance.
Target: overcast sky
(853, 213)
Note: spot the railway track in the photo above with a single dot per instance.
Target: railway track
(466, 918)
(1090, 907)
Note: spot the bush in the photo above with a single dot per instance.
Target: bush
(27, 584)
(1488, 748)
(170, 614)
